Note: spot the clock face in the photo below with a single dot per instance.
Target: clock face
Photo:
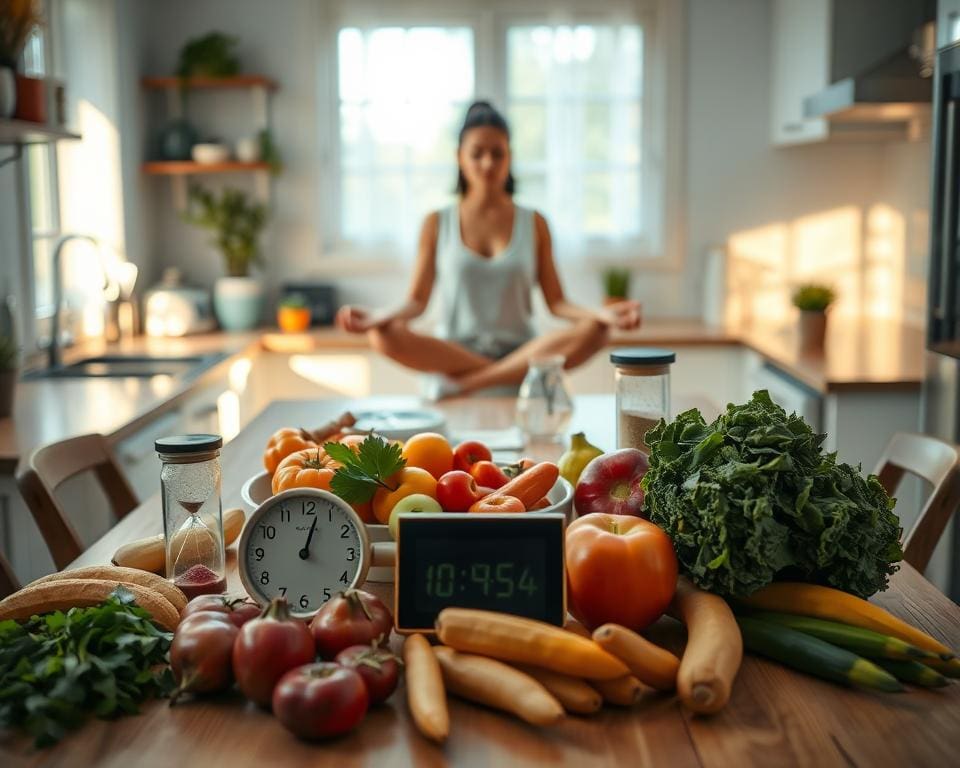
(305, 545)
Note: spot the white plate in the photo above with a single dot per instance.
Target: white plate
(399, 424)
(258, 489)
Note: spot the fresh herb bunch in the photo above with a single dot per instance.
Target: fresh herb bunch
(813, 297)
(294, 301)
(363, 472)
(751, 498)
(57, 668)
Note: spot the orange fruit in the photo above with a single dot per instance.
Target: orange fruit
(406, 482)
(429, 451)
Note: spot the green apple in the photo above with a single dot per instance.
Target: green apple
(415, 502)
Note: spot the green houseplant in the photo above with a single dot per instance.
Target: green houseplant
(616, 284)
(237, 223)
(813, 300)
(9, 357)
(212, 55)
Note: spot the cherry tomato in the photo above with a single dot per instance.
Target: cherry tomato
(353, 617)
(429, 451)
(267, 648)
(320, 700)
(488, 474)
(457, 490)
(200, 653)
(469, 453)
(620, 569)
(239, 609)
(378, 667)
(498, 503)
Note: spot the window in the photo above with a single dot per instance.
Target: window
(582, 86)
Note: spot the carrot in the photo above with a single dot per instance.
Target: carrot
(623, 691)
(576, 695)
(526, 641)
(714, 648)
(542, 504)
(652, 664)
(426, 696)
(532, 484)
(498, 685)
(572, 625)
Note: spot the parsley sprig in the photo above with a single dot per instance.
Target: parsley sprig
(363, 472)
(58, 668)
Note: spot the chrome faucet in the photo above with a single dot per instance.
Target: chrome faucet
(54, 358)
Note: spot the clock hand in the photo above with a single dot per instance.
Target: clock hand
(305, 552)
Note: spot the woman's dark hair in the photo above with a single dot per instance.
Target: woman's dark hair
(482, 114)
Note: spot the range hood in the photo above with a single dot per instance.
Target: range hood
(897, 90)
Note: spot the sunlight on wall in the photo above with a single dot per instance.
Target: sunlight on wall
(344, 374)
(860, 253)
(228, 414)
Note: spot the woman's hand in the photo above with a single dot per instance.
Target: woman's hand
(624, 315)
(354, 319)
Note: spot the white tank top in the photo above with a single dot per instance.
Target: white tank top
(486, 303)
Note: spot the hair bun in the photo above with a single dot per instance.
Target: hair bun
(479, 107)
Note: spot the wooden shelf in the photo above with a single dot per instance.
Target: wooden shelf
(24, 132)
(237, 81)
(188, 167)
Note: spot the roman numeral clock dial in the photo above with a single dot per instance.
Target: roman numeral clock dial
(305, 545)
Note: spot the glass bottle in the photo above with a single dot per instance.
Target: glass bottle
(642, 382)
(192, 516)
(544, 405)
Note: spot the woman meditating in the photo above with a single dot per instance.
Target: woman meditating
(485, 254)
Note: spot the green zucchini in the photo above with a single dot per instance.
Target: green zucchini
(913, 672)
(864, 642)
(813, 656)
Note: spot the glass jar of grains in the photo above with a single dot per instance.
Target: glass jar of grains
(642, 381)
(192, 521)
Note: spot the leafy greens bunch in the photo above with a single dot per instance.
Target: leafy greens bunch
(752, 498)
(57, 668)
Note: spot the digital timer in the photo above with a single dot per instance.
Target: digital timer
(510, 563)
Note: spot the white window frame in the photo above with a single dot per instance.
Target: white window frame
(663, 94)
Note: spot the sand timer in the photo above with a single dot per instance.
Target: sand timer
(192, 522)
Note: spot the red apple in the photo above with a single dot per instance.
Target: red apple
(469, 453)
(457, 491)
(610, 483)
(488, 475)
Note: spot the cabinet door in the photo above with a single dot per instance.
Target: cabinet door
(800, 66)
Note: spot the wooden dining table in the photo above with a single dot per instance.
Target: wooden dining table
(775, 716)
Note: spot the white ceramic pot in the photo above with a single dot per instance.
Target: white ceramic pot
(248, 150)
(8, 92)
(238, 302)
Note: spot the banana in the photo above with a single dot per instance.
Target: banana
(578, 455)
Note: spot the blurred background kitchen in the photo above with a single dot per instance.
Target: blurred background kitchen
(249, 167)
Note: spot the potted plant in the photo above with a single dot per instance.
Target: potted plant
(813, 300)
(9, 356)
(616, 284)
(293, 314)
(237, 223)
(17, 22)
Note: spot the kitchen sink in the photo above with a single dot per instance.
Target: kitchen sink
(130, 366)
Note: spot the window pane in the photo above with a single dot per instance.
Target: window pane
(574, 97)
(403, 92)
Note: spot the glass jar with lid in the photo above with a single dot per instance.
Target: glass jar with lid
(642, 382)
(544, 405)
(192, 516)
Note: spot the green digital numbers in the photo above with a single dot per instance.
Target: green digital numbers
(498, 580)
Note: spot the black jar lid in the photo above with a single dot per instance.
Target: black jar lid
(640, 356)
(188, 444)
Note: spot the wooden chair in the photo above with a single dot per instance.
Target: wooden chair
(54, 464)
(8, 579)
(936, 462)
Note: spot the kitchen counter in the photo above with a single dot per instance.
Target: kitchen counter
(864, 355)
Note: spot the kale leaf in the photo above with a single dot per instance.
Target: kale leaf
(752, 498)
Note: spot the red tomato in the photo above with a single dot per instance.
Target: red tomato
(269, 647)
(488, 474)
(200, 653)
(498, 503)
(320, 700)
(620, 569)
(469, 453)
(378, 667)
(354, 617)
(456, 491)
(238, 609)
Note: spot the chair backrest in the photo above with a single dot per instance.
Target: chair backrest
(8, 579)
(49, 468)
(936, 462)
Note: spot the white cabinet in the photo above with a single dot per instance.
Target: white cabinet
(800, 66)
